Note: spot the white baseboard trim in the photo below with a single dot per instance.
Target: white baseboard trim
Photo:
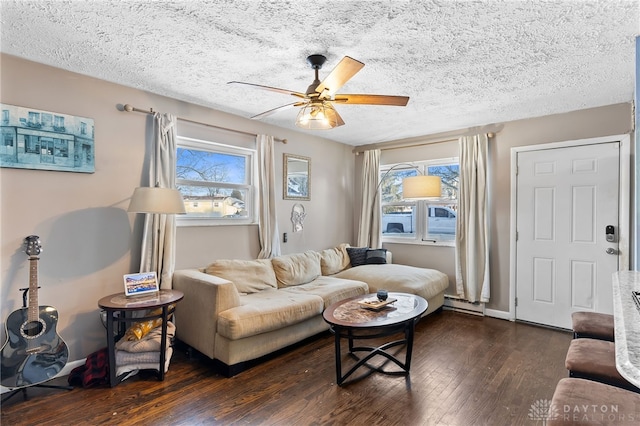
(64, 372)
(505, 315)
(460, 305)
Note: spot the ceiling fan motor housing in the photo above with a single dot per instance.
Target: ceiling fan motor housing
(316, 61)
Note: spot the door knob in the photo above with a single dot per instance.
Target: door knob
(611, 250)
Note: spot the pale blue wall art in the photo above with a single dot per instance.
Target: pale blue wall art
(43, 140)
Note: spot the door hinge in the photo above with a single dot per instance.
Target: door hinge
(516, 302)
(517, 235)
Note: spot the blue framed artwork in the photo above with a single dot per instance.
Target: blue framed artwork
(44, 140)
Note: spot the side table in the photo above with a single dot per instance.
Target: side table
(118, 302)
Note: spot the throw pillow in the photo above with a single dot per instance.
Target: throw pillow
(249, 276)
(376, 256)
(334, 260)
(296, 269)
(357, 255)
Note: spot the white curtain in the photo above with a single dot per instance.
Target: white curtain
(268, 226)
(159, 232)
(472, 232)
(369, 232)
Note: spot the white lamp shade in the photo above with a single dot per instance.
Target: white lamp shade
(317, 116)
(419, 187)
(156, 200)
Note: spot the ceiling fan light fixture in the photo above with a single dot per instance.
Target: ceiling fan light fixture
(317, 116)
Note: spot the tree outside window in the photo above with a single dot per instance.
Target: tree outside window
(215, 181)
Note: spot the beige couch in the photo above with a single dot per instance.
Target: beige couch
(235, 311)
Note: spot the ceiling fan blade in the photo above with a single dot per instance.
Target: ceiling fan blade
(346, 68)
(272, 89)
(371, 99)
(278, 109)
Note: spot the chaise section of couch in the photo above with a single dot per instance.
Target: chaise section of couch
(236, 311)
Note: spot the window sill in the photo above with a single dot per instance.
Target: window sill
(211, 222)
(431, 243)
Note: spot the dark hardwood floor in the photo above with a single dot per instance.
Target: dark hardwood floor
(466, 370)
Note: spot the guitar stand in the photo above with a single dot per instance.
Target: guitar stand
(24, 391)
(40, 385)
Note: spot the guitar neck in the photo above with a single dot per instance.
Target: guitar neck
(33, 289)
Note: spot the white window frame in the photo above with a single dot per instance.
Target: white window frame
(249, 186)
(420, 236)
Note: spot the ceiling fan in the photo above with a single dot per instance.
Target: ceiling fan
(317, 102)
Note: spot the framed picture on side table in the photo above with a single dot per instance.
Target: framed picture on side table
(141, 283)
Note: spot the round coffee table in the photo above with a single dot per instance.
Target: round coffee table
(351, 319)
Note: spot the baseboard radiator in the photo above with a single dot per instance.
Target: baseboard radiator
(452, 303)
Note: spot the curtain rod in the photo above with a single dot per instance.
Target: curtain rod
(130, 108)
(453, 136)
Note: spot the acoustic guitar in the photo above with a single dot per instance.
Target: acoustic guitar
(34, 352)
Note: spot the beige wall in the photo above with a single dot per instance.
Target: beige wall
(89, 241)
(589, 123)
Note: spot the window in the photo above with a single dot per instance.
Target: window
(216, 182)
(32, 144)
(61, 148)
(34, 120)
(423, 221)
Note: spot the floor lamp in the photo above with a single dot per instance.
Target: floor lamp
(418, 187)
(156, 201)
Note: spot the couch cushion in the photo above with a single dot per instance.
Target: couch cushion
(266, 311)
(423, 282)
(249, 276)
(334, 260)
(296, 269)
(331, 289)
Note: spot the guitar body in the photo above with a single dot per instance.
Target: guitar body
(34, 352)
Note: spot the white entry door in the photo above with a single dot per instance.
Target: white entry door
(567, 231)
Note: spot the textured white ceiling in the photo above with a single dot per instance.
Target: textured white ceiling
(463, 63)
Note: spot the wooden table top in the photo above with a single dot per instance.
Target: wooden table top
(151, 300)
(351, 313)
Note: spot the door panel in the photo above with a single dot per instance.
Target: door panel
(544, 279)
(544, 216)
(565, 199)
(583, 284)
